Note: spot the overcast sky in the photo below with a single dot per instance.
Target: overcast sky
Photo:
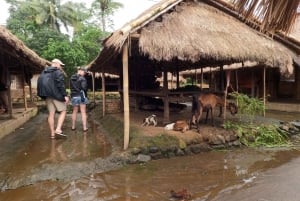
(131, 9)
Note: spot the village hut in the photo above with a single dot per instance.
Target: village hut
(18, 64)
(178, 35)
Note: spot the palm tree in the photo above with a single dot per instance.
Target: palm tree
(104, 9)
(54, 14)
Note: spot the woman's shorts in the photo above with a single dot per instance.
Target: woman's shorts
(77, 101)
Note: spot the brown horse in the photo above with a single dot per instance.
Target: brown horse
(208, 102)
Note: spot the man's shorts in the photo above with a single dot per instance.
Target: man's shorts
(77, 101)
(55, 105)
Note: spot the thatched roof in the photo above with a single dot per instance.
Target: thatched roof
(246, 64)
(15, 54)
(191, 34)
(295, 31)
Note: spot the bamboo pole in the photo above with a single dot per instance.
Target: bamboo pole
(126, 95)
(226, 91)
(201, 79)
(10, 107)
(93, 85)
(166, 98)
(24, 94)
(264, 89)
(103, 94)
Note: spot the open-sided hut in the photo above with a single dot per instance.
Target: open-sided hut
(177, 35)
(18, 60)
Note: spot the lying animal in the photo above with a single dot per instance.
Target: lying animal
(184, 194)
(150, 120)
(169, 126)
(181, 125)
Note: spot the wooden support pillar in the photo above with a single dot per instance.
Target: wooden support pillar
(177, 76)
(24, 94)
(166, 98)
(221, 78)
(236, 81)
(9, 103)
(201, 79)
(93, 85)
(264, 90)
(30, 92)
(126, 95)
(103, 94)
(226, 91)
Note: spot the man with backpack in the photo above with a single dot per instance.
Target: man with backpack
(51, 87)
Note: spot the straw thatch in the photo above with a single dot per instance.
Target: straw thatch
(15, 54)
(191, 34)
(295, 31)
(246, 64)
(273, 15)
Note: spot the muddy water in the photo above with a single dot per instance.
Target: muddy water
(207, 176)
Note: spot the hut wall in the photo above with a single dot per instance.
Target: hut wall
(113, 105)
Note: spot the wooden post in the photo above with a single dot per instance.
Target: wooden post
(10, 108)
(24, 94)
(236, 81)
(226, 91)
(166, 98)
(264, 90)
(201, 79)
(30, 92)
(126, 95)
(93, 85)
(221, 78)
(177, 76)
(103, 94)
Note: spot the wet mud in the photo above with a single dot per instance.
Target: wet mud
(86, 167)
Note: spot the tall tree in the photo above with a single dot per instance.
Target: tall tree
(105, 9)
(51, 13)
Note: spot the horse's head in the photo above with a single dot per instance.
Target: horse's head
(232, 108)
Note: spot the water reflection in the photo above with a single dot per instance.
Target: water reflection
(207, 176)
(56, 152)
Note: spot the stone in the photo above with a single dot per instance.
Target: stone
(141, 158)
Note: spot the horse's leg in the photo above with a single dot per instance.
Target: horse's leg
(199, 117)
(207, 113)
(221, 111)
(212, 116)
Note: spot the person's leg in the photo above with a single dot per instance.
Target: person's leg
(83, 116)
(62, 108)
(74, 116)
(60, 121)
(51, 115)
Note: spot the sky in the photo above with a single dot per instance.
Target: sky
(131, 9)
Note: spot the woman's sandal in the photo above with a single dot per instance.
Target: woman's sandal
(85, 130)
(73, 129)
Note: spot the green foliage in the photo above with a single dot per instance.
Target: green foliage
(261, 135)
(248, 106)
(103, 10)
(32, 23)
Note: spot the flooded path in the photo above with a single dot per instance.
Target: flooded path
(238, 174)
